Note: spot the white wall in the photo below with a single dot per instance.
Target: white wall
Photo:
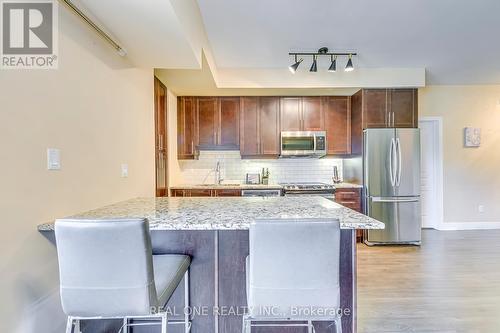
(471, 175)
(99, 111)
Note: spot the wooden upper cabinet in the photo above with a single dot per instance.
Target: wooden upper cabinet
(404, 107)
(229, 122)
(381, 108)
(259, 126)
(337, 114)
(388, 108)
(375, 108)
(186, 124)
(291, 109)
(207, 120)
(312, 115)
(249, 131)
(269, 125)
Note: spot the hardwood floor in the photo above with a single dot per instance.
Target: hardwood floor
(450, 284)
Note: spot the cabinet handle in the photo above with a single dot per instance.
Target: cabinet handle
(160, 141)
(392, 118)
(192, 147)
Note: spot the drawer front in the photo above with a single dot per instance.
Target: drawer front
(228, 193)
(200, 193)
(350, 198)
(348, 194)
(177, 193)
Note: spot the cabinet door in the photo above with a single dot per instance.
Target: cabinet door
(291, 113)
(403, 106)
(229, 122)
(338, 124)
(375, 108)
(207, 120)
(186, 116)
(269, 126)
(249, 132)
(312, 115)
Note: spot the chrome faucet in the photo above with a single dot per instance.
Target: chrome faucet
(218, 173)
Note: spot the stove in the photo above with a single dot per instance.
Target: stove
(320, 189)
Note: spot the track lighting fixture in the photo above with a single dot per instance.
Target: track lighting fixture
(322, 52)
(293, 67)
(314, 66)
(333, 66)
(349, 67)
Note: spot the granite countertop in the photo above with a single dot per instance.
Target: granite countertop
(227, 187)
(226, 213)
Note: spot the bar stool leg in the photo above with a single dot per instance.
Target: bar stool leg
(338, 326)
(187, 324)
(164, 323)
(246, 325)
(125, 325)
(77, 326)
(69, 325)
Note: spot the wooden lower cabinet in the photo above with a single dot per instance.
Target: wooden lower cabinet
(350, 198)
(228, 193)
(205, 192)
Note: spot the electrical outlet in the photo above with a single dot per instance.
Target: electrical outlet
(124, 170)
(480, 208)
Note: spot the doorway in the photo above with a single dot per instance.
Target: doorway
(431, 188)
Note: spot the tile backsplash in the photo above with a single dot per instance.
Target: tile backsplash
(234, 169)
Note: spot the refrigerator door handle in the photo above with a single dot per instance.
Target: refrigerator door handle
(392, 172)
(400, 164)
(381, 199)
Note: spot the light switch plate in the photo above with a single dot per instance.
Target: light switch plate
(53, 159)
(124, 170)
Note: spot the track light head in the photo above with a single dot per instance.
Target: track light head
(293, 67)
(333, 65)
(314, 66)
(349, 67)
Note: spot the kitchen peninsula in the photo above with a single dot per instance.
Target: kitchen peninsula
(214, 232)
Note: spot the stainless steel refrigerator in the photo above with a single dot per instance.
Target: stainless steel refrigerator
(391, 177)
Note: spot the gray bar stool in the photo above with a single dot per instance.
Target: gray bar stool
(293, 273)
(107, 271)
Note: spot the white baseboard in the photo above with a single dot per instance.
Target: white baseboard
(468, 225)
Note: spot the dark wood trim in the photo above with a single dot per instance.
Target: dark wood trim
(161, 137)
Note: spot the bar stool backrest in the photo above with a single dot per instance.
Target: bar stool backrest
(105, 267)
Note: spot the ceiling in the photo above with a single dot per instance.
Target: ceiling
(454, 40)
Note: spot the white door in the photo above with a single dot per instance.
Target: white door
(430, 200)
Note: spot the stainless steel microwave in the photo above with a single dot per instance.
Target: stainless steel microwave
(303, 143)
